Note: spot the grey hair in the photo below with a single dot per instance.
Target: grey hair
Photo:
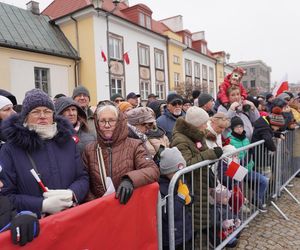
(108, 106)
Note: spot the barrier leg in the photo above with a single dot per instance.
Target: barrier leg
(279, 210)
(159, 220)
(294, 198)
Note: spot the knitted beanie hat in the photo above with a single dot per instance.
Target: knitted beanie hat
(268, 96)
(123, 106)
(64, 102)
(204, 98)
(276, 118)
(196, 116)
(171, 160)
(235, 121)
(35, 98)
(4, 101)
(221, 192)
(80, 90)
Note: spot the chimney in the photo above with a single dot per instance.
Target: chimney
(33, 6)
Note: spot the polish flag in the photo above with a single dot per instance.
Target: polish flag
(236, 171)
(103, 55)
(281, 87)
(126, 58)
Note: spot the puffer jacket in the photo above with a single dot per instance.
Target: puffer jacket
(191, 143)
(57, 161)
(123, 157)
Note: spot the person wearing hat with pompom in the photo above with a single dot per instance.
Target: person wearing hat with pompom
(171, 161)
(39, 143)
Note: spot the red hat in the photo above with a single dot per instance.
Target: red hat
(276, 118)
(237, 73)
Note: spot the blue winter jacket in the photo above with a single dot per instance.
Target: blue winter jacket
(57, 160)
(167, 122)
(178, 216)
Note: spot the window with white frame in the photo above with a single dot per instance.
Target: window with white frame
(211, 74)
(160, 90)
(188, 41)
(143, 54)
(176, 79)
(176, 59)
(145, 20)
(204, 72)
(203, 49)
(159, 59)
(197, 70)
(117, 86)
(41, 79)
(145, 88)
(188, 67)
(115, 47)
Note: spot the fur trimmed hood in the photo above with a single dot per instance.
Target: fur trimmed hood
(188, 130)
(15, 133)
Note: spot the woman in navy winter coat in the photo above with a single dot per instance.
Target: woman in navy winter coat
(37, 139)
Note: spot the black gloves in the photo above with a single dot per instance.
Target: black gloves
(124, 191)
(218, 151)
(24, 227)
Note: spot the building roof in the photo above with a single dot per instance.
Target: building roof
(21, 29)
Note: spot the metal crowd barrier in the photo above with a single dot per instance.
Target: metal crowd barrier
(216, 217)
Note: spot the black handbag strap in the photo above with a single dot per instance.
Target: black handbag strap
(33, 163)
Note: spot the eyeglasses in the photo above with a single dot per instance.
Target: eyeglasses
(102, 123)
(38, 113)
(176, 103)
(187, 105)
(119, 100)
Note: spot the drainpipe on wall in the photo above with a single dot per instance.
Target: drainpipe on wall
(77, 63)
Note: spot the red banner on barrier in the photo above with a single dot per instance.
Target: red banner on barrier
(100, 224)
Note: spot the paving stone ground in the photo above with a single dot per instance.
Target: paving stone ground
(270, 230)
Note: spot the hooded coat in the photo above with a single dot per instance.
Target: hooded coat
(191, 143)
(123, 157)
(57, 161)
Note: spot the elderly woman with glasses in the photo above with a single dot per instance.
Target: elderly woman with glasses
(40, 145)
(116, 156)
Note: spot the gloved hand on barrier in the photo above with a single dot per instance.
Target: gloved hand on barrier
(124, 191)
(56, 203)
(218, 151)
(237, 222)
(24, 227)
(184, 193)
(228, 223)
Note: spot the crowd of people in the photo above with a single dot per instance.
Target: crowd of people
(56, 154)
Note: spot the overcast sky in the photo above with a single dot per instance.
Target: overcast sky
(266, 30)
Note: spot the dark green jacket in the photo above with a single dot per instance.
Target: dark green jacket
(191, 143)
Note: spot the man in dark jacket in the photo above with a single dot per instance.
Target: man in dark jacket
(172, 111)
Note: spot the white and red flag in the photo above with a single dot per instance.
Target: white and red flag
(281, 87)
(103, 55)
(236, 171)
(126, 58)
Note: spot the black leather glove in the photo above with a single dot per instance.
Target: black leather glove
(124, 191)
(218, 151)
(24, 227)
